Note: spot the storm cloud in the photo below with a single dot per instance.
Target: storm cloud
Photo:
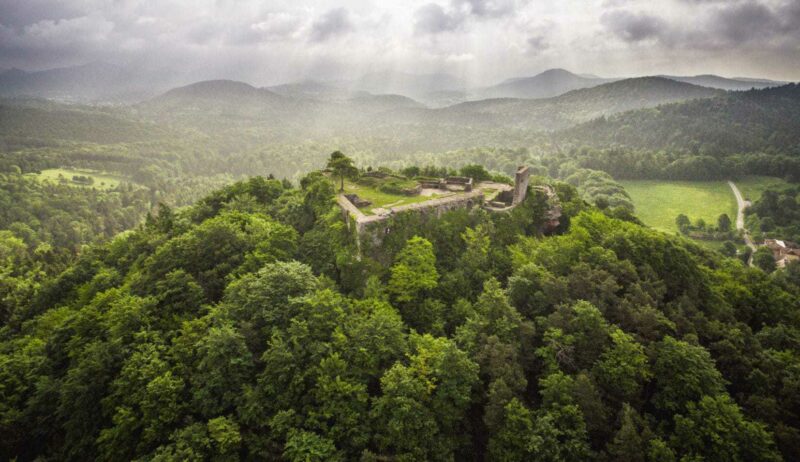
(480, 41)
(332, 24)
(434, 18)
(633, 27)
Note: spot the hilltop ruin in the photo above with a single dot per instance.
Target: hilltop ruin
(463, 193)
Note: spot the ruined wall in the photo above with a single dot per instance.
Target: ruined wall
(521, 184)
(374, 230)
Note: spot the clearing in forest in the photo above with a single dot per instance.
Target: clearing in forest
(658, 202)
(80, 177)
(753, 186)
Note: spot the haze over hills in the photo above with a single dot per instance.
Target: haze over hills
(549, 83)
(570, 108)
(412, 85)
(104, 82)
(730, 123)
(723, 83)
(361, 110)
(92, 82)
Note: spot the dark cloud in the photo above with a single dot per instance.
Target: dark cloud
(334, 23)
(744, 22)
(299, 36)
(633, 27)
(714, 27)
(537, 44)
(19, 13)
(487, 8)
(432, 19)
(57, 41)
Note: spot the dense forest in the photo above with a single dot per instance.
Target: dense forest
(776, 214)
(249, 326)
(738, 133)
(215, 306)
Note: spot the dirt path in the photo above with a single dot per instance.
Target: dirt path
(740, 216)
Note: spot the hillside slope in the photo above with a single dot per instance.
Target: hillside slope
(724, 83)
(23, 123)
(570, 108)
(730, 123)
(250, 327)
(548, 84)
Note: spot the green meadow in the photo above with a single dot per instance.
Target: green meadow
(753, 186)
(382, 199)
(102, 180)
(659, 202)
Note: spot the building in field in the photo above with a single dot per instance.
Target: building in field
(784, 252)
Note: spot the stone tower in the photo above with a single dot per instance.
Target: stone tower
(521, 184)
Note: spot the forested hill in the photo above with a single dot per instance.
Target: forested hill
(25, 124)
(550, 83)
(247, 327)
(570, 108)
(736, 122)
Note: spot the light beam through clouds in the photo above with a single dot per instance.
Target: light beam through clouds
(479, 41)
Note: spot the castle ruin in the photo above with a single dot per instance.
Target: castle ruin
(465, 194)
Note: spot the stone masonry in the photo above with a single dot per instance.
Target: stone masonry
(521, 179)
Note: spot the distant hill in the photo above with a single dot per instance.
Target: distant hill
(230, 95)
(313, 89)
(223, 91)
(97, 81)
(218, 103)
(29, 123)
(412, 85)
(570, 108)
(724, 83)
(383, 102)
(221, 105)
(548, 84)
(734, 122)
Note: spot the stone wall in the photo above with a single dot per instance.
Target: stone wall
(372, 228)
(521, 184)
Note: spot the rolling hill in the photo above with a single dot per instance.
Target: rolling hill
(568, 109)
(96, 81)
(402, 83)
(724, 83)
(733, 122)
(35, 124)
(548, 84)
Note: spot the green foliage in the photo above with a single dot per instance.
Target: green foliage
(734, 122)
(341, 166)
(414, 271)
(248, 327)
(762, 258)
(714, 429)
(420, 413)
(776, 214)
(476, 172)
(623, 369)
(683, 373)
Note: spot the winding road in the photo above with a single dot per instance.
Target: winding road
(740, 215)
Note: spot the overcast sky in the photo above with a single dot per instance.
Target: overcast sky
(482, 41)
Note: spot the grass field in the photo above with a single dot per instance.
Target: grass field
(382, 199)
(753, 186)
(659, 202)
(101, 180)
